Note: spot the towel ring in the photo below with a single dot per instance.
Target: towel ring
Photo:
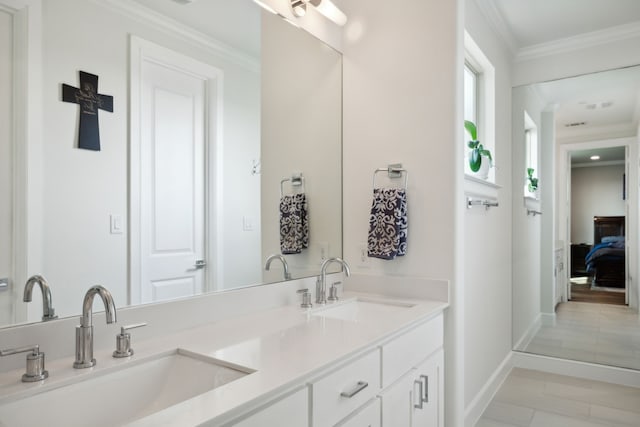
(393, 171)
(296, 181)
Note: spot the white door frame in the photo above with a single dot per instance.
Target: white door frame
(140, 50)
(27, 151)
(631, 209)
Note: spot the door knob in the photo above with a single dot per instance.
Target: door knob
(200, 263)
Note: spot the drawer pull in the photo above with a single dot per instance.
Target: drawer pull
(358, 388)
(425, 378)
(419, 405)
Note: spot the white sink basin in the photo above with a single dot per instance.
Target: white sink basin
(124, 395)
(360, 309)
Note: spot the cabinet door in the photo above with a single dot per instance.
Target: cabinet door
(292, 411)
(428, 393)
(396, 401)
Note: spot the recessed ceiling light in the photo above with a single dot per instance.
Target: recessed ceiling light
(595, 157)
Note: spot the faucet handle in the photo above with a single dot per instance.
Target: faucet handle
(306, 298)
(35, 362)
(333, 292)
(123, 340)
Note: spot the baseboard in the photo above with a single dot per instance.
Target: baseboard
(574, 368)
(526, 338)
(548, 319)
(476, 408)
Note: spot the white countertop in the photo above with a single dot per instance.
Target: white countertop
(285, 346)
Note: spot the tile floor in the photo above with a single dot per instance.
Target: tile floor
(597, 333)
(539, 399)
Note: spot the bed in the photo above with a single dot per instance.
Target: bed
(606, 260)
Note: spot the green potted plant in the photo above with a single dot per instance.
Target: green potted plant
(533, 182)
(478, 152)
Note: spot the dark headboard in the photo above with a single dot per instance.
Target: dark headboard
(607, 226)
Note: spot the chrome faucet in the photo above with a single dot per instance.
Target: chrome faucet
(287, 275)
(48, 313)
(84, 332)
(321, 283)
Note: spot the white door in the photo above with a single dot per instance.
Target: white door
(170, 166)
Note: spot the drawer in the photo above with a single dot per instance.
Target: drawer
(369, 416)
(341, 392)
(409, 349)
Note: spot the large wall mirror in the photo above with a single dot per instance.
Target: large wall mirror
(584, 306)
(224, 118)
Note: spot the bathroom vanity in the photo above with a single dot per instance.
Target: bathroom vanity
(364, 360)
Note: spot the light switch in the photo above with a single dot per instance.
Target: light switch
(247, 223)
(117, 226)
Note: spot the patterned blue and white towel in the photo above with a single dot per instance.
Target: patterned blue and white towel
(388, 223)
(294, 224)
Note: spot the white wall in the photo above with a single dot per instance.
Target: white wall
(595, 191)
(6, 161)
(402, 70)
(82, 188)
(526, 228)
(487, 244)
(302, 116)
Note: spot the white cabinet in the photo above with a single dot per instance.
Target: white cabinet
(368, 416)
(396, 402)
(397, 383)
(292, 411)
(416, 399)
(339, 393)
(428, 403)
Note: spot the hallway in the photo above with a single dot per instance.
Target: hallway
(598, 333)
(537, 399)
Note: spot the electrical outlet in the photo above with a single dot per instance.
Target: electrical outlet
(324, 251)
(363, 257)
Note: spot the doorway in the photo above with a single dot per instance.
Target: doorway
(174, 102)
(597, 218)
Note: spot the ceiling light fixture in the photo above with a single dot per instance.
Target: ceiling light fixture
(595, 157)
(325, 7)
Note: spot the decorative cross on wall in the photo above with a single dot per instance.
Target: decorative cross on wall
(90, 102)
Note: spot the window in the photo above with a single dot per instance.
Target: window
(532, 168)
(470, 93)
(479, 102)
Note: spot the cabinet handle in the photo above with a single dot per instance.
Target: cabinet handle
(419, 405)
(358, 388)
(425, 378)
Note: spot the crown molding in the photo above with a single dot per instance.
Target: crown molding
(597, 164)
(580, 41)
(171, 26)
(497, 22)
(595, 133)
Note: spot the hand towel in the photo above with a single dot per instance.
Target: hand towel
(388, 223)
(294, 223)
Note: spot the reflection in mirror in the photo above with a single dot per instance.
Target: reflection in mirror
(589, 312)
(214, 103)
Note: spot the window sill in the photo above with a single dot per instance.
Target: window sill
(476, 187)
(531, 204)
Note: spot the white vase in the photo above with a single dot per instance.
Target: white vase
(483, 172)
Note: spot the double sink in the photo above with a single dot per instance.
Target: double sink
(140, 388)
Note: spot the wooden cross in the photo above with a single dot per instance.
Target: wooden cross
(90, 102)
